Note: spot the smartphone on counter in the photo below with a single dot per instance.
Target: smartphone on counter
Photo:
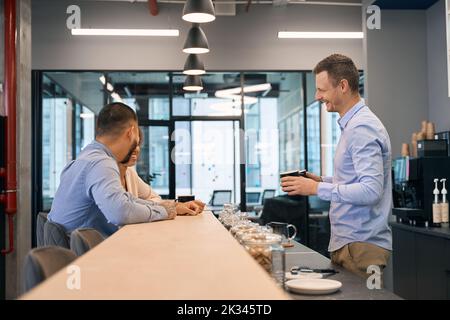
(294, 173)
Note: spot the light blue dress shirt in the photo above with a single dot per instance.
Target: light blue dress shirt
(361, 189)
(90, 195)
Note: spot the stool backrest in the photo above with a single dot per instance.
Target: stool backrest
(55, 235)
(43, 262)
(41, 219)
(82, 240)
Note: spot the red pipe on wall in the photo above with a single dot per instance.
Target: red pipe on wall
(10, 198)
(153, 7)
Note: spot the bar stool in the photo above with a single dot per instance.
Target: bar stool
(41, 219)
(55, 235)
(41, 263)
(82, 240)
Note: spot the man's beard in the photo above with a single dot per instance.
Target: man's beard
(130, 153)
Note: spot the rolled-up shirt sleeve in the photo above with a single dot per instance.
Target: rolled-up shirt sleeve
(327, 179)
(119, 207)
(366, 156)
(324, 190)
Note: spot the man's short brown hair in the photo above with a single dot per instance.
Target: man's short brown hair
(340, 67)
(114, 118)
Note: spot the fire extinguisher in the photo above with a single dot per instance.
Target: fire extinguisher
(9, 196)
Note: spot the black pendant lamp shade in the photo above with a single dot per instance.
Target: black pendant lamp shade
(193, 65)
(196, 41)
(193, 83)
(199, 11)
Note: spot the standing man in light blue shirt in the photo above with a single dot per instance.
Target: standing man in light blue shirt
(360, 190)
(90, 194)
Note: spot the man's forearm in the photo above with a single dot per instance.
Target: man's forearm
(361, 193)
(170, 206)
(159, 205)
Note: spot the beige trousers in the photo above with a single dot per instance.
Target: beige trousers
(358, 256)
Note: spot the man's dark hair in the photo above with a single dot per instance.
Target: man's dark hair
(114, 118)
(340, 67)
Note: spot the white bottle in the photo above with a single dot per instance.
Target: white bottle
(436, 206)
(444, 203)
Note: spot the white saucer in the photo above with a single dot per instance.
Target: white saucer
(313, 286)
(303, 275)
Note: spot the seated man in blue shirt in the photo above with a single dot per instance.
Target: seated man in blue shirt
(90, 194)
(360, 189)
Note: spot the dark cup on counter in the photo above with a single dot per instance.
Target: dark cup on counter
(185, 198)
(283, 229)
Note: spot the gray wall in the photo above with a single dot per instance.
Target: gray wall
(438, 100)
(22, 220)
(247, 41)
(396, 69)
(22, 223)
(406, 75)
(395, 60)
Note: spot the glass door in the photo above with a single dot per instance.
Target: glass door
(148, 93)
(153, 163)
(208, 144)
(207, 160)
(273, 108)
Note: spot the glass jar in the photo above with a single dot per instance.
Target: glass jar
(229, 216)
(243, 232)
(267, 250)
(230, 221)
(226, 212)
(255, 229)
(242, 226)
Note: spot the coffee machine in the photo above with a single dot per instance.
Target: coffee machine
(445, 135)
(413, 183)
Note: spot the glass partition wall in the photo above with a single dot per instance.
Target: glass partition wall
(68, 125)
(149, 94)
(207, 140)
(236, 135)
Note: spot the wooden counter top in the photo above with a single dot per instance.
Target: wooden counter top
(185, 258)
